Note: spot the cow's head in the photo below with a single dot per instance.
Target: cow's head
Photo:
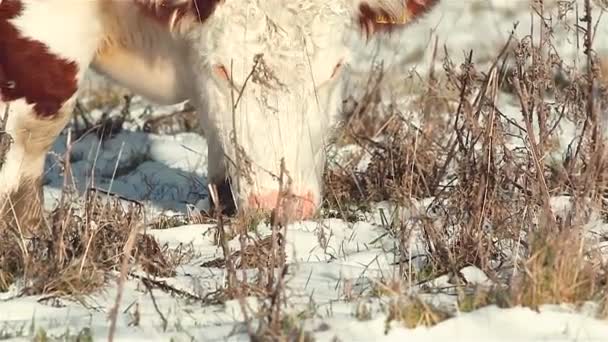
(273, 71)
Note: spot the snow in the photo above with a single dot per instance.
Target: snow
(487, 324)
(317, 274)
(333, 263)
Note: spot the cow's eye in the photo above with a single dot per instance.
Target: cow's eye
(221, 71)
(337, 68)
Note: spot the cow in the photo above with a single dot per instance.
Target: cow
(266, 77)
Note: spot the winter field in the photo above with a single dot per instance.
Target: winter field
(465, 202)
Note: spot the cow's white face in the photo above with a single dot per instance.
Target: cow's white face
(272, 71)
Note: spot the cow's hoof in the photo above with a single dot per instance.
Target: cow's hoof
(22, 209)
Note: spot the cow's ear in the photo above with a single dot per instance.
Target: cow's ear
(374, 16)
(179, 13)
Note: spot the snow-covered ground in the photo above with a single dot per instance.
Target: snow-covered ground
(315, 289)
(327, 281)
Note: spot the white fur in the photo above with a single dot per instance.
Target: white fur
(31, 138)
(17, 164)
(302, 42)
(290, 121)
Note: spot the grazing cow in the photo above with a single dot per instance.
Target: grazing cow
(271, 71)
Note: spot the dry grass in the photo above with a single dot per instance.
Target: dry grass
(557, 270)
(80, 247)
(81, 243)
(413, 312)
(492, 201)
(5, 139)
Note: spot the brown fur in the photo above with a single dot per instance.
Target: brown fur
(373, 19)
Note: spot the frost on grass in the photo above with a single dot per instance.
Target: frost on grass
(465, 194)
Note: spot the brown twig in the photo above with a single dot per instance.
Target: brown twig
(124, 271)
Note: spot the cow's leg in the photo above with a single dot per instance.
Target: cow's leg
(46, 48)
(30, 137)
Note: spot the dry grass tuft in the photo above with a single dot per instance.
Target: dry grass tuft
(79, 249)
(413, 312)
(559, 269)
(255, 255)
(403, 165)
(265, 255)
(470, 299)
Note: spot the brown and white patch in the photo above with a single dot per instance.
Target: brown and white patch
(173, 13)
(28, 70)
(385, 16)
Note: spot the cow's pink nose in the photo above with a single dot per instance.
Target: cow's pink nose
(291, 207)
